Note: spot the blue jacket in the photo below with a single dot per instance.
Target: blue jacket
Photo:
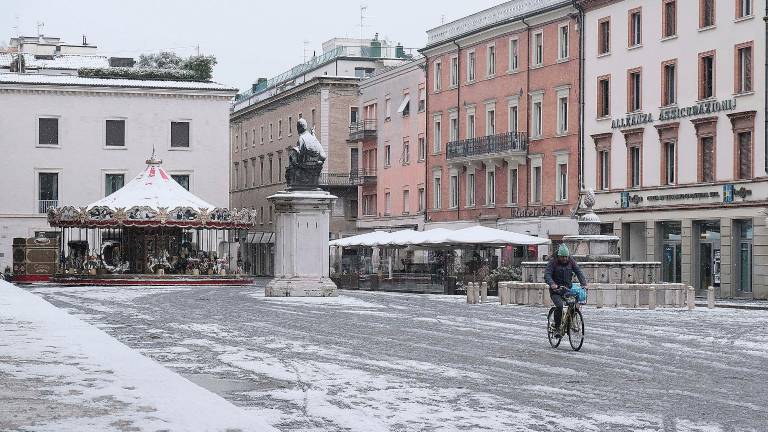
(562, 275)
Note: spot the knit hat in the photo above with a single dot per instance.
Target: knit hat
(563, 250)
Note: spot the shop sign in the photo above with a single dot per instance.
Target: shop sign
(632, 120)
(525, 212)
(701, 108)
(730, 192)
(681, 196)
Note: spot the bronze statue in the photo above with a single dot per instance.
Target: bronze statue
(305, 162)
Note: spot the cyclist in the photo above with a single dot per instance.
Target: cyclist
(559, 275)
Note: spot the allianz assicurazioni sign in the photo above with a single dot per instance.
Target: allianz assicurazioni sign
(672, 113)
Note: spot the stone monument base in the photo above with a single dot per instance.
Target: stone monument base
(300, 287)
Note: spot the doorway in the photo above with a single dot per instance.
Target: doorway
(707, 250)
(743, 258)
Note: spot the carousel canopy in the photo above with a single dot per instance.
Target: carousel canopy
(152, 198)
(472, 236)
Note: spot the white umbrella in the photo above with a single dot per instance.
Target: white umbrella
(480, 235)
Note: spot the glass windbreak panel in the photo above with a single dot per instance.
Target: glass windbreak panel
(745, 267)
(709, 231)
(671, 231)
(670, 263)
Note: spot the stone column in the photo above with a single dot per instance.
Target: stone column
(687, 252)
(760, 258)
(726, 259)
(301, 245)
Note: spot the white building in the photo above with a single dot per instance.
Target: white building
(70, 141)
(674, 136)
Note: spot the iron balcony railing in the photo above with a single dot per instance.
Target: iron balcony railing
(478, 146)
(352, 178)
(44, 205)
(362, 129)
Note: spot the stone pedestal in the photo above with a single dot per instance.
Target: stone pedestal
(301, 245)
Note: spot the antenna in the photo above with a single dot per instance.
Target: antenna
(197, 47)
(363, 8)
(442, 19)
(306, 47)
(40, 26)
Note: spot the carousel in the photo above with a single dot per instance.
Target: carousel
(151, 232)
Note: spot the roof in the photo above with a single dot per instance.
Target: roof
(64, 61)
(70, 80)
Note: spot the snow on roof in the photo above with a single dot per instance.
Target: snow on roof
(69, 80)
(153, 188)
(64, 61)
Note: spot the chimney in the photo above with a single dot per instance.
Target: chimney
(85, 42)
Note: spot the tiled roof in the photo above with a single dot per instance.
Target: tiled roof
(69, 80)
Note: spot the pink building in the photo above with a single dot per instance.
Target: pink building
(389, 131)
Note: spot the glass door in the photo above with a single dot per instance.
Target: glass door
(706, 269)
(670, 264)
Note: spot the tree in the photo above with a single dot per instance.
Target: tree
(161, 60)
(201, 66)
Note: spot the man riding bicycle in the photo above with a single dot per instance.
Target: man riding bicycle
(559, 276)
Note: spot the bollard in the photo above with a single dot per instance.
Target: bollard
(691, 298)
(637, 299)
(711, 297)
(678, 302)
(599, 299)
(470, 292)
(483, 292)
(502, 295)
(652, 298)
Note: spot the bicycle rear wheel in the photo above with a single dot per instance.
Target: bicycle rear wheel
(576, 330)
(553, 340)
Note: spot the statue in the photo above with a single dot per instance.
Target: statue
(305, 162)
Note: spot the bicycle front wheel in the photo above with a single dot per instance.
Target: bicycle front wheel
(576, 330)
(553, 340)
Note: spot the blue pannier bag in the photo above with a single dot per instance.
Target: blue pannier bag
(581, 293)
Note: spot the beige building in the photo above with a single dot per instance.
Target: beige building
(262, 135)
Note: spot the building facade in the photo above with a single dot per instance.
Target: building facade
(675, 136)
(503, 119)
(390, 139)
(71, 141)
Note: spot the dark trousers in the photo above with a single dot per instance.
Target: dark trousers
(557, 299)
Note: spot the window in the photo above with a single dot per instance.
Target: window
(180, 134)
(388, 108)
(512, 186)
(634, 166)
(387, 155)
(115, 133)
(422, 100)
(744, 68)
(471, 66)
(422, 199)
(536, 113)
(706, 13)
(311, 125)
(635, 27)
(604, 36)
(279, 128)
(454, 191)
(669, 83)
(406, 152)
(354, 114)
(471, 124)
(706, 75)
(603, 173)
(261, 170)
(369, 205)
(253, 173)
(182, 179)
(422, 148)
(253, 137)
(668, 163)
(635, 91)
(270, 214)
(271, 136)
(113, 183)
(364, 72)
(744, 157)
(562, 115)
(48, 191)
(387, 203)
(279, 167)
(438, 136)
(48, 131)
(405, 106)
(562, 181)
(490, 69)
(245, 174)
(454, 71)
(438, 73)
(236, 179)
(536, 184)
(453, 132)
(406, 201)
(261, 215)
(707, 158)
(470, 188)
(262, 134)
(513, 119)
(669, 19)
(437, 193)
(290, 127)
(603, 96)
(514, 53)
(490, 186)
(563, 42)
(743, 8)
(538, 49)
(490, 121)
(271, 176)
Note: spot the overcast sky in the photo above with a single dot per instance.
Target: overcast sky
(250, 39)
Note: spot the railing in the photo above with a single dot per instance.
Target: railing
(504, 142)
(352, 178)
(362, 129)
(44, 205)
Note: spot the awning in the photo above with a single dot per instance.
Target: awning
(472, 236)
(404, 103)
(260, 237)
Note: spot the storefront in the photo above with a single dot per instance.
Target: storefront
(708, 235)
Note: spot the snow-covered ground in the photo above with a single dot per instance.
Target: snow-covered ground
(378, 361)
(58, 373)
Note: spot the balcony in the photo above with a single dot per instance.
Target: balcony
(44, 205)
(504, 144)
(361, 130)
(352, 178)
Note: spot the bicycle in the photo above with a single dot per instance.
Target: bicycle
(571, 323)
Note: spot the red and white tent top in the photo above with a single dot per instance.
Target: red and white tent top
(152, 188)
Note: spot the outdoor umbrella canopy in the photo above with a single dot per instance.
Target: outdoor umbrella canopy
(367, 239)
(476, 235)
(480, 235)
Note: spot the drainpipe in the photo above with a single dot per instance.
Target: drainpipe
(458, 129)
(426, 141)
(765, 90)
(580, 8)
(528, 115)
